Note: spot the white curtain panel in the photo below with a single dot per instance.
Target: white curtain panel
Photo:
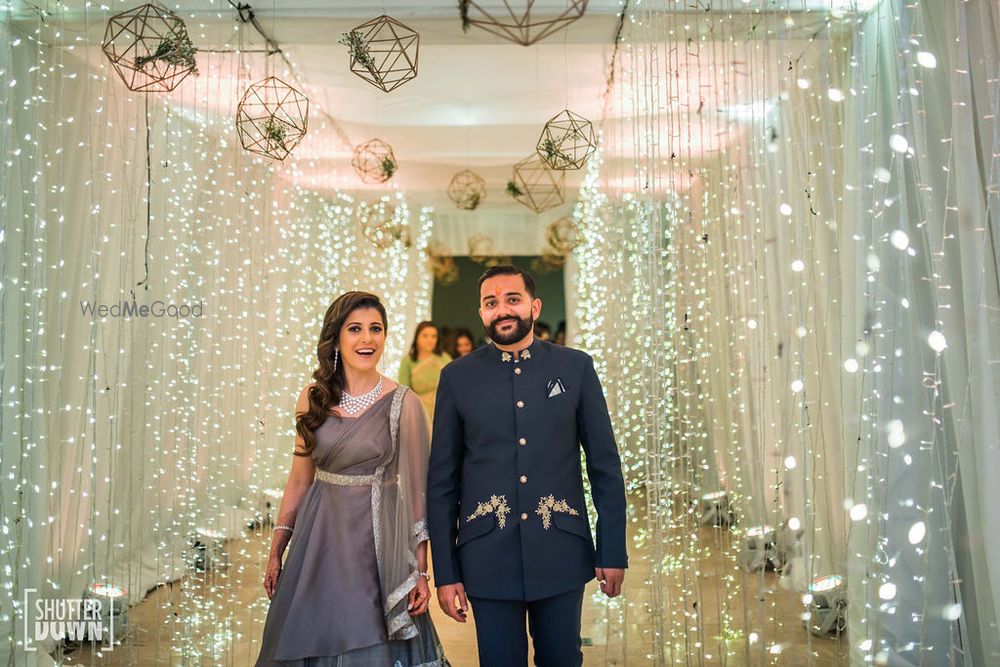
(834, 311)
(516, 234)
(122, 437)
(924, 164)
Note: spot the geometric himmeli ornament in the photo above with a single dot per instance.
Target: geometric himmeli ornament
(441, 261)
(481, 251)
(383, 225)
(383, 52)
(374, 161)
(567, 141)
(548, 262)
(272, 118)
(536, 186)
(563, 236)
(150, 49)
(515, 22)
(467, 190)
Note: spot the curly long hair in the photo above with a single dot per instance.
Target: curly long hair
(426, 324)
(329, 387)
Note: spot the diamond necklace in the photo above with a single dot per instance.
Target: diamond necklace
(354, 404)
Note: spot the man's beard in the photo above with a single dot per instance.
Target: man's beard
(523, 328)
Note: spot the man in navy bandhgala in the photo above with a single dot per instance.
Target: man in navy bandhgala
(505, 502)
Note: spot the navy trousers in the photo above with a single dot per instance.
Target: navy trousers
(554, 624)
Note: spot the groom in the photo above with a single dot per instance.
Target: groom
(505, 503)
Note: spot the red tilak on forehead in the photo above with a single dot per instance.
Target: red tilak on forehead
(498, 291)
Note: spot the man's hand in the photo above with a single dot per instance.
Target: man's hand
(611, 580)
(456, 608)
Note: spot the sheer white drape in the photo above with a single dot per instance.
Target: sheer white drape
(926, 76)
(510, 233)
(707, 396)
(849, 216)
(122, 437)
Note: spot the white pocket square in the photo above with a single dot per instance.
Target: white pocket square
(556, 387)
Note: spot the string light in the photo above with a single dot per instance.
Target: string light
(126, 440)
(774, 280)
(790, 366)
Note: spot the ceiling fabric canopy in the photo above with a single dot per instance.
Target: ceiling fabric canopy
(479, 102)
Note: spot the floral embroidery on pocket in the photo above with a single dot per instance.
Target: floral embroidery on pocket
(495, 505)
(548, 504)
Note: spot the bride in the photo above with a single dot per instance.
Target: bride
(354, 587)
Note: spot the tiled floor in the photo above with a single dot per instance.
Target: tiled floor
(217, 618)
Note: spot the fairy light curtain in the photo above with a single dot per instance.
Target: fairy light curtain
(923, 195)
(801, 255)
(704, 316)
(788, 281)
(123, 437)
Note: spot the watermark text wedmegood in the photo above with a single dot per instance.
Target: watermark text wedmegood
(129, 309)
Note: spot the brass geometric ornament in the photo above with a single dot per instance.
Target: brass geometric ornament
(467, 190)
(514, 20)
(441, 261)
(561, 238)
(384, 52)
(567, 141)
(482, 252)
(272, 118)
(536, 186)
(384, 225)
(548, 262)
(374, 161)
(150, 49)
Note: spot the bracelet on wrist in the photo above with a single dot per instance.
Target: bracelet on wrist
(283, 527)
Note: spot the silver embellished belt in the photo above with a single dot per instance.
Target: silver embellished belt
(345, 480)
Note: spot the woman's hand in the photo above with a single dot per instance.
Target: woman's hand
(271, 573)
(419, 597)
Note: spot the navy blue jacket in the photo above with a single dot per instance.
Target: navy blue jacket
(505, 501)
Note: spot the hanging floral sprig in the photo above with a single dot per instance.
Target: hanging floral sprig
(513, 190)
(388, 167)
(275, 133)
(554, 155)
(174, 49)
(360, 53)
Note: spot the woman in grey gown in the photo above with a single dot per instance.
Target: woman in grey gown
(353, 589)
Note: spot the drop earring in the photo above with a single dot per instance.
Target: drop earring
(336, 357)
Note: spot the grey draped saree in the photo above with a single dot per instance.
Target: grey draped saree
(341, 596)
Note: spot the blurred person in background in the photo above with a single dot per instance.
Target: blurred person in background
(462, 343)
(421, 368)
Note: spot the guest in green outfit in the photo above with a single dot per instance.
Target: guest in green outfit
(421, 368)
